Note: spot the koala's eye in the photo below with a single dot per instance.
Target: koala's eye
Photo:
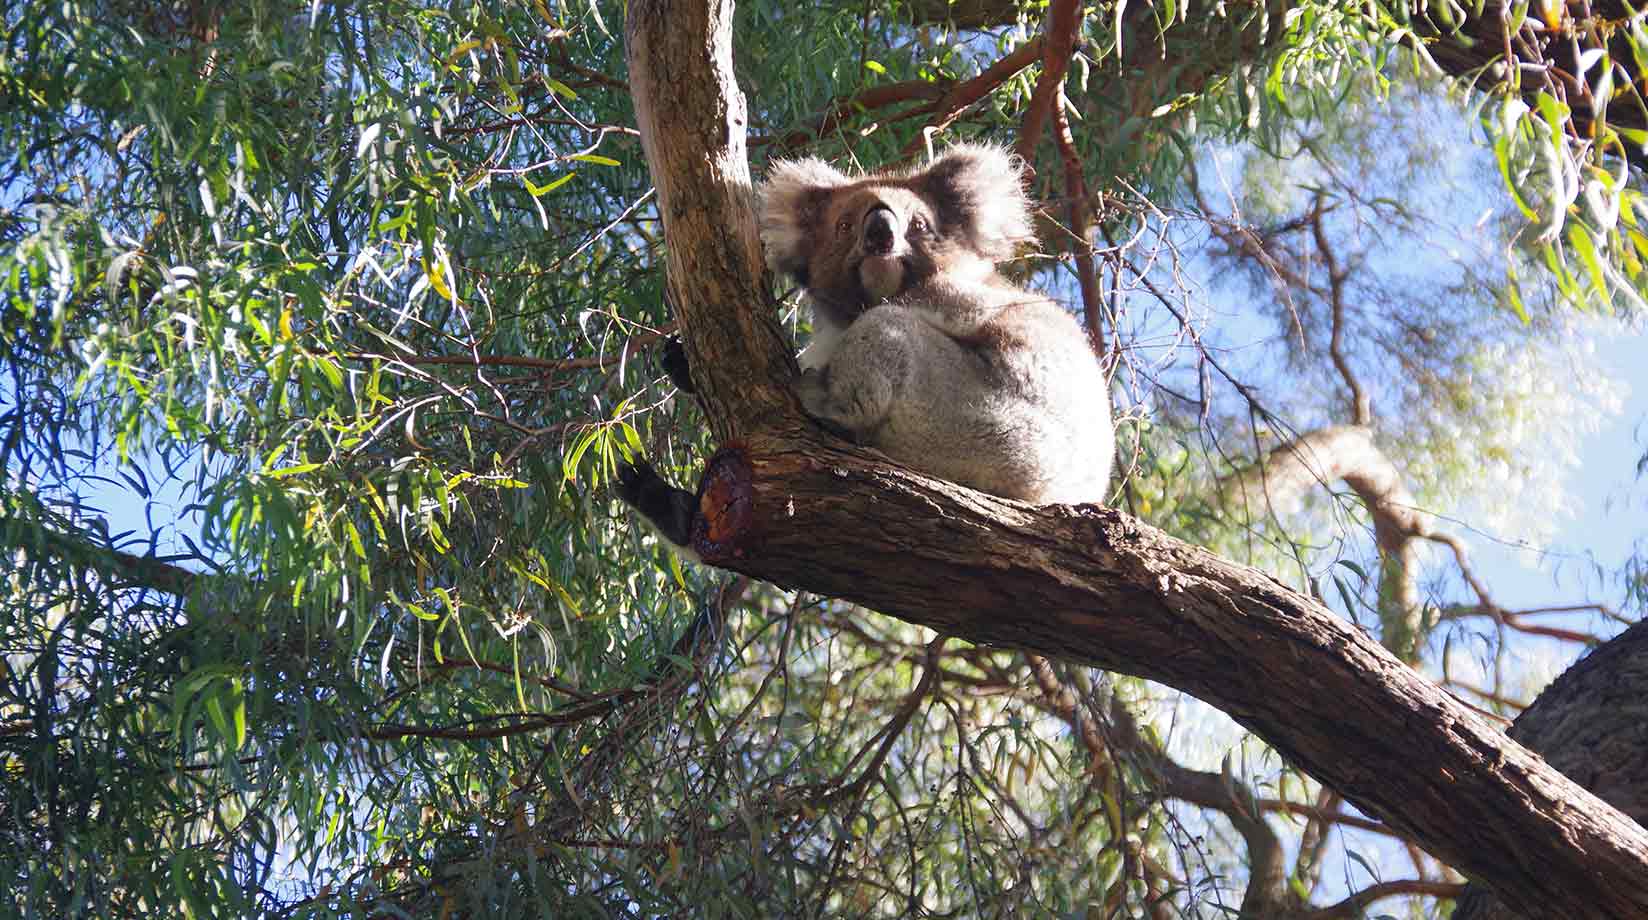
(843, 226)
(918, 225)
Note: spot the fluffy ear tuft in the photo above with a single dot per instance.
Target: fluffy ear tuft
(791, 201)
(983, 187)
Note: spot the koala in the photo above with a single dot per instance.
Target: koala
(921, 348)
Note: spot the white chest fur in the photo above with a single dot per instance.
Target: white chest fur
(821, 347)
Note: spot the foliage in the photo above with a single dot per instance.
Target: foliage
(324, 327)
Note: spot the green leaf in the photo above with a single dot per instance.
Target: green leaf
(1580, 237)
(538, 191)
(569, 466)
(329, 369)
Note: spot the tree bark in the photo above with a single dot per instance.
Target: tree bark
(1592, 724)
(694, 128)
(785, 503)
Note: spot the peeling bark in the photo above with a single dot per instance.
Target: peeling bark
(789, 505)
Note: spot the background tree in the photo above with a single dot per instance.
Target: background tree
(326, 325)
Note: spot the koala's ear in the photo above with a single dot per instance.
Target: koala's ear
(981, 188)
(792, 201)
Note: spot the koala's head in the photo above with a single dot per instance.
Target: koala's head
(853, 242)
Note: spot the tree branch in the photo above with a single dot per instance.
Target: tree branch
(1266, 891)
(1347, 452)
(1063, 22)
(1081, 234)
(946, 110)
(1361, 404)
(1355, 906)
(1545, 49)
(693, 124)
(125, 570)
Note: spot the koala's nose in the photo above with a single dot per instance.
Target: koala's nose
(880, 227)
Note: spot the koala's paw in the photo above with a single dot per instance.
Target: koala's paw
(815, 398)
(668, 509)
(635, 479)
(674, 360)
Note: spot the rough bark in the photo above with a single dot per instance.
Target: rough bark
(694, 129)
(1095, 586)
(1592, 724)
(786, 504)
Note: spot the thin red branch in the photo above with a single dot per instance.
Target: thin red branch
(964, 94)
(1486, 694)
(1328, 816)
(1063, 22)
(1511, 619)
(869, 100)
(1080, 242)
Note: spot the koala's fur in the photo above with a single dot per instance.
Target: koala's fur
(921, 348)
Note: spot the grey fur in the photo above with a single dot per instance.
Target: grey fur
(921, 348)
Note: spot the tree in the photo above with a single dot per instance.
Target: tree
(349, 280)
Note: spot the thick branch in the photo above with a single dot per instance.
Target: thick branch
(1088, 584)
(1094, 586)
(123, 569)
(693, 124)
